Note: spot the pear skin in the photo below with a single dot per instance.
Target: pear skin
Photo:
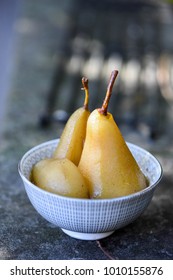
(73, 136)
(106, 163)
(61, 177)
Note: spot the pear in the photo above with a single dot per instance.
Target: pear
(61, 177)
(106, 163)
(73, 136)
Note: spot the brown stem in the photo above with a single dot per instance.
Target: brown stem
(105, 251)
(85, 87)
(104, 108)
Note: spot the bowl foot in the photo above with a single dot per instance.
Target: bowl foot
(87, 236)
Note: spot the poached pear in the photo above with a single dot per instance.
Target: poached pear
(60, 177)
(106, 163)
(73, 136)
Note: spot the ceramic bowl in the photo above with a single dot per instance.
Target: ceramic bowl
(89, 219)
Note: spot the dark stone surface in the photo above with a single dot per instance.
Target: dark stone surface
(24, 234)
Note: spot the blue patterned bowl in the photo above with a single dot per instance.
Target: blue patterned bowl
(89, 219)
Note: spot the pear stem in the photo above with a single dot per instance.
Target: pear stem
(103, 110)
(85, 87)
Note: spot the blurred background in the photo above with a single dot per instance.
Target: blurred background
(48, 45)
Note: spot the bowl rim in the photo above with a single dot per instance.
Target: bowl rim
(89, 200)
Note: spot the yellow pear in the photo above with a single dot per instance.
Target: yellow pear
(60, 177)
(73, 136)
(106, 163)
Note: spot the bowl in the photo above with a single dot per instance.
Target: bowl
(89, 219)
